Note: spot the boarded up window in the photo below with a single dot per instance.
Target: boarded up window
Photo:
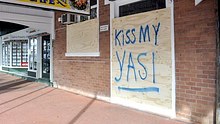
(142, 59)
(83, 38)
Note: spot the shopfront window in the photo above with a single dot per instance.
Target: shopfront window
(141, 6)
(19, 54)
(14, 53)
(6, 54)
(24, 54)
(33, 54)
(93, 11)
(129, 7)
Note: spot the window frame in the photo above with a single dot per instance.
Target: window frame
(119, 3)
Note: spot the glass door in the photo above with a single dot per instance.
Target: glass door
(46, 56)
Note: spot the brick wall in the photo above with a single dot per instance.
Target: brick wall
(195, 46)
(195, 50)
(88, 74)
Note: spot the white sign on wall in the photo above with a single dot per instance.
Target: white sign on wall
(103, 28)
(198, 1)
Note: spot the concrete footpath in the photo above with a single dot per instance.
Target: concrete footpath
(25, 102)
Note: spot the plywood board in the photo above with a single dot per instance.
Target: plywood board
(83, 37)
(142, 58)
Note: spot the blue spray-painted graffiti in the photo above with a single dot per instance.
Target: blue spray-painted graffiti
(156, 30)
(153, 63)
(121, 63)
(129, 38)
(147, 89)
(144, 33)
(120, 38)
(131, 65)
(145, 70)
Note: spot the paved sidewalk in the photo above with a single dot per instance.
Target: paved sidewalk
(25, 102)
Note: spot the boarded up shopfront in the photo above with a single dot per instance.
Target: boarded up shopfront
(142, 59)
(140, 71)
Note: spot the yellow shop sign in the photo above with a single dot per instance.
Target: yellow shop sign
(52, 3)
(77, 6)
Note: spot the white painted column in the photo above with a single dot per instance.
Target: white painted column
(173, 62)
(39, 57)
(112, 16)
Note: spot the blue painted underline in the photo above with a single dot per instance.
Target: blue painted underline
(146, 89)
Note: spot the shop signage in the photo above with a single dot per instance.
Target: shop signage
(103, 28)
(142, 58)
(77, 6)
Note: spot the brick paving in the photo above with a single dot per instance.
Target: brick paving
(26, 102)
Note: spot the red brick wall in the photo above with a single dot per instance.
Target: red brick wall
(195, 46)
(88, 74)
(195, 50)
